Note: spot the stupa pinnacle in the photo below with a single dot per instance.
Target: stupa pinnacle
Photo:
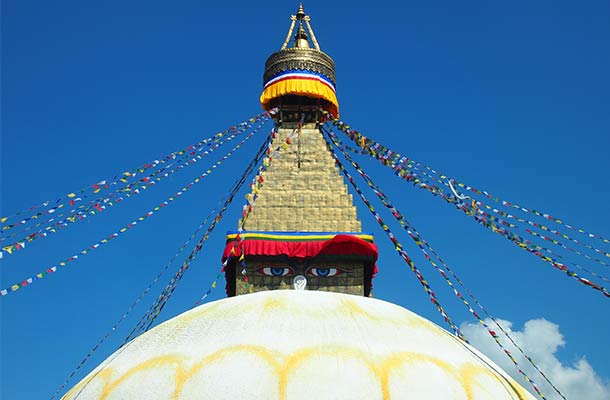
(300, 75)
(303, 231)
(303, 189)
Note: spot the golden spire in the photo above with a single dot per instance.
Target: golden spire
(301, 12)
(300, 39)
(303, 70)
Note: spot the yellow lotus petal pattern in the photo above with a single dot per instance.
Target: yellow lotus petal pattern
(297, 345)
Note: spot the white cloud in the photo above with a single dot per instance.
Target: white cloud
(540, 340)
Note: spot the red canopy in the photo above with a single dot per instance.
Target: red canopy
(300, 245)
(357, 246)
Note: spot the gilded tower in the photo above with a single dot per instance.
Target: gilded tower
(303, 231)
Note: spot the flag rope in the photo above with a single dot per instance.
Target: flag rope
(82, 210)
(54, 268)
(255, 186)
(105, 184)
(495, 224)
(420, 242)
(484, 219)
(136, 301)
(408, 175)
(155, 309)
(393, 159)
(399, 248)
(99, 205)
(357, 137)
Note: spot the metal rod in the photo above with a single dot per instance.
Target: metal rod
(294, 20)
(313, 37)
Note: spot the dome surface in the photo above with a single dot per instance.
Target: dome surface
(298, 345)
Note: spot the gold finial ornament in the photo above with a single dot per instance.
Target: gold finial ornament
(300, 39)
(302, 73)
(301, 12)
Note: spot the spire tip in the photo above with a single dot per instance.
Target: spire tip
(300, 11)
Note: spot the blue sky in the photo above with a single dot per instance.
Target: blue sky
(512, 98)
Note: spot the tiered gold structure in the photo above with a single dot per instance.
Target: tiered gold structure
(303, 191)
(303, 199)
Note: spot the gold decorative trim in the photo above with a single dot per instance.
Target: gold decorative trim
(299, 59)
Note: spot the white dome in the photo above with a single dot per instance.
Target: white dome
(294, 345)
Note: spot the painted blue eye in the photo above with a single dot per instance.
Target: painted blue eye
(324, 272)
(275, 271)
(278, 271)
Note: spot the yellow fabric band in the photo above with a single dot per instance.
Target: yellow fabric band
(304, 87)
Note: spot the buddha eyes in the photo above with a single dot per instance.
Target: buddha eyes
(275, 271)
(322, 272)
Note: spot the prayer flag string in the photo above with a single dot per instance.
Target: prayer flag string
(357, 137)
(398, 247)
(135, 303)
(101, 204)
(53, 269)
(499, 221)
(77, 196)
(549, 251)
(155, 309)
(553, 231)
(255, 186)
(420, 242)
(211, 288)
(493, 223)
(459, 202)
(393, 159)
(434, 189)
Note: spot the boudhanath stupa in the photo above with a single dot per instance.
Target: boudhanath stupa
(300, 321)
